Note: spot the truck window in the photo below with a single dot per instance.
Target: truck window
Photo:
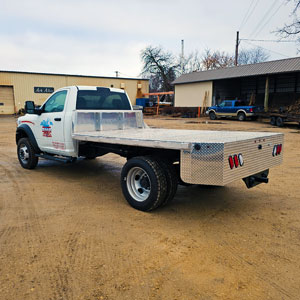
(240, 103)
(102, 98)
(56, 102)
(228, 103)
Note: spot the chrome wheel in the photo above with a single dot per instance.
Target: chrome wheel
(23, 153)
(138, 184)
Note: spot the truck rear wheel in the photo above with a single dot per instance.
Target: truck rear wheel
(172, 181)
(143, 183)
(241, 116)
(26, 154)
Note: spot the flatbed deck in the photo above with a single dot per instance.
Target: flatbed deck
(168, 138)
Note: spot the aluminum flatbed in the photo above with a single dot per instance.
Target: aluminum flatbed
(169, 138)
(205, 156)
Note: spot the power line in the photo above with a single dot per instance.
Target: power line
(267, 49)
(265, 24)
(263, 18)
(271, 41)
(246, 15)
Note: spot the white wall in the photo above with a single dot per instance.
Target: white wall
(192, 94)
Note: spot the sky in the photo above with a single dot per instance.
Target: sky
(97, 37)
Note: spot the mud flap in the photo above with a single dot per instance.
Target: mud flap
(253, 180)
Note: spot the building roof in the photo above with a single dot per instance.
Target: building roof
(265, 68)
(72, 75)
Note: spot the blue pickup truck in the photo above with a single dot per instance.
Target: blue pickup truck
(233, 109)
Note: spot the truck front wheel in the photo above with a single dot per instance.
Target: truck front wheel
(26, 154)
(212, 115)
(279, 122)
(143, 183)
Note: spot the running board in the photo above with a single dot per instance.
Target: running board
(55, 158)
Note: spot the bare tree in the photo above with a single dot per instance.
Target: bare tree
(216, 60)
(161, 66)
(252, 56)
(292, 29)
(192, 63)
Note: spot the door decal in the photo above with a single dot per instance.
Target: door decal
(46, 127)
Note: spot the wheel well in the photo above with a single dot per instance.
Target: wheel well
(241, 111)
(20, 134)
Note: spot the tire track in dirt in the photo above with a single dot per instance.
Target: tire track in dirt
(254, 268)
(33, 234)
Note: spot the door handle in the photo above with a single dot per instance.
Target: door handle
(57, 119)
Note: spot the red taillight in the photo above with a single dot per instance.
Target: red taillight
(236, 161)
(251, 110)
(277, 150)
(231, 163)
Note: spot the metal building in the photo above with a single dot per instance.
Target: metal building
(272, 83)
(17, 87)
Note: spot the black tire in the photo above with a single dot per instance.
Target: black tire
(273, 121)
(26, 154)
(212, 115)
(241, 116)
(172, 181)
(143, 183)
(279, 122)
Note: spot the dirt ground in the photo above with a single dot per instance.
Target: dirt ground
(66, 231)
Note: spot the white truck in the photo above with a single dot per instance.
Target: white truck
(85, 121)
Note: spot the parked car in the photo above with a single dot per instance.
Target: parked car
(233, 109)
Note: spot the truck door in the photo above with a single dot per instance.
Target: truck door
(49, 129)
(228, 108)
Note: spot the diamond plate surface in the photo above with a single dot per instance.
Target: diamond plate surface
(255, 159)
(87, 121)
(204, 166)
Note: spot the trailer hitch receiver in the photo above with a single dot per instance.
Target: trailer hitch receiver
(253, 180)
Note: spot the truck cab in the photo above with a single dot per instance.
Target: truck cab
(232, 109)
(50, 125)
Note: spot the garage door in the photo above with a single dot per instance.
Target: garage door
(7, 105)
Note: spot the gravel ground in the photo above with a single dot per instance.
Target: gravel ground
(66, 231)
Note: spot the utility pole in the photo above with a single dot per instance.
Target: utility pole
(182, 55)
(117, 73)
(237, 48)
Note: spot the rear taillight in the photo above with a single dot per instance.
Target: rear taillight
(231, 163)
(251, 110)
(235, 160)
(277, 150)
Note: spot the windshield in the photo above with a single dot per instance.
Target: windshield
(102, 98)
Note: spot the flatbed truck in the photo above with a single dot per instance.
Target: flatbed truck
(84, 121)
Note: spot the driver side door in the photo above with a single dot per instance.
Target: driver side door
(50, 124)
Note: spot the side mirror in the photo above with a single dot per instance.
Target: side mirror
(29, 107)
